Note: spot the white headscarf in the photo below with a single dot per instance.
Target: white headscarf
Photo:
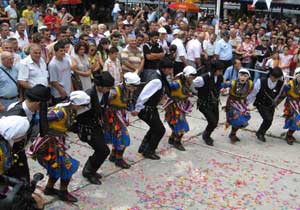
(13, 127)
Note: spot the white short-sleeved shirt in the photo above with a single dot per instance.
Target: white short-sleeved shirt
(22, 43)
(224, 50)
(193, 48)
(33, 73)
(209, 47)
(11, 12)
(180, 49)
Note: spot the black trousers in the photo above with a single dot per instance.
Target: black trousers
(267, 113)
(101, 150)
(211, 113)
(19, 168)
(178, 67)
(155, 132)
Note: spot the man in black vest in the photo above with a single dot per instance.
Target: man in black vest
(90, 126)
(146, 109)
(35, 97)
(265, 95)
(209, 86)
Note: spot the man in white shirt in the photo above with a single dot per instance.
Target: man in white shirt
(33, 69)
(146, 109)
(194, 50)
(266, 95)
(180, 59)
(21, 36)
(163, 19)
(12, 14)
(209, 47)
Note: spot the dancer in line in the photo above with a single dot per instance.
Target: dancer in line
(116, 118)
(209, 86)
(178, 105)
(50, 150)
(237, 112)
(266, 94)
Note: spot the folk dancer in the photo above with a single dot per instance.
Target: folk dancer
(209, 86)
(116, 118)
(90, 125)
(146, 109)
(266, 95)
(292, 107)
(50, 150)
(178, 105)
(237, 112)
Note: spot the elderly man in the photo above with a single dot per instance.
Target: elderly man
(7, 45)
(132, 57)
(4, 31)
(8, 81)
(231, 73)
(194, 50)
(33, 69)
(181, 56)
(94, 35)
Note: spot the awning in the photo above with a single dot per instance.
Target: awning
(68, 2)
(184, 6)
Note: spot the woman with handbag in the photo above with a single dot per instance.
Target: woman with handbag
(80, 66)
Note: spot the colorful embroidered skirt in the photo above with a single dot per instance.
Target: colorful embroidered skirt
(237, 113)
(175, 116)
(116, 132)
(53, 157)
(292, 116)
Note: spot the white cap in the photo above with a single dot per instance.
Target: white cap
(244, 71)
(131, 78)
(176, 31)
(162, 30)
(42, 28)
(107, 33)
(297, 71)
(13, 127)
(79, 97)
(189, 71)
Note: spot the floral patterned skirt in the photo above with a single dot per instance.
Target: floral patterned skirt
(292, 116)
(53, 157)
(237, 113)
(116, 132)
(175, 116)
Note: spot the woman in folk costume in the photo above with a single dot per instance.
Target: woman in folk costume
(12, 129)
(116, 133)
(178, 105)
(237, 112)
(50, 150)
(292, 106)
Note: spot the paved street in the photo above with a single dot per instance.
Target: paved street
(248, 175)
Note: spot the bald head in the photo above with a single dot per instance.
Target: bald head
(7, 59)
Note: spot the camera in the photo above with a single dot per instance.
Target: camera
(16, 194)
